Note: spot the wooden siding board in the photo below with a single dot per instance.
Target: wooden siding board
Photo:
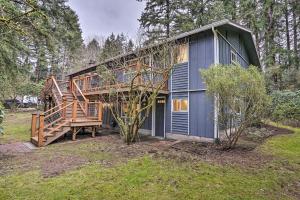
(225, 50)
(201, 122)
(179, 119)
(201, 115)
(201, 56)
(148, 121)
(180, 77)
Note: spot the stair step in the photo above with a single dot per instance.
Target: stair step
(35, 140)
(49, 135)
(57, 128)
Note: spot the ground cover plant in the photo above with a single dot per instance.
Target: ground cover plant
(107, 168)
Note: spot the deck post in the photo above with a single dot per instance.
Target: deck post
(93, 131)
(64, 111)
(86, 106)
(74, 134)
(100, 107)
(41, 130)
(74, 110)
(84, 84)
(33, 124)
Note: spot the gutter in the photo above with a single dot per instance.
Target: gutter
(216, 104)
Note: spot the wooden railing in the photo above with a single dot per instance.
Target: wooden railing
(149, 76)
(94, 110)
(42, 121)
(77, 93)
(52, 87)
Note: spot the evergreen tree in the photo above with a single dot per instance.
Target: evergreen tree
(157, 18)
(275, 25)
(93, 51)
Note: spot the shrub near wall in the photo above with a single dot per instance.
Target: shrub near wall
(286, 107)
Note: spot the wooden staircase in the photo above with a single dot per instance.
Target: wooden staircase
(69, 111)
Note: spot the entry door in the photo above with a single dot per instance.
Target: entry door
(160, 118)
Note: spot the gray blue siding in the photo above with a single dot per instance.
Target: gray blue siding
(180, 119)
(200, 105)
(187, 83)
(201, 115)
(201, 56)
(180, 77)
(236, 41)
(148, 121)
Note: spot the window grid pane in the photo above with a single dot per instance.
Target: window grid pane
(184, 105)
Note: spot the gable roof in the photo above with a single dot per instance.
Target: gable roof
(246, 33)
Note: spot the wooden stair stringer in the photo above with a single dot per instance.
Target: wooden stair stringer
(57, 135)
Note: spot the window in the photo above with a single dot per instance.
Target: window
(233, 57)
(128, 76)
(184, 105)
(180, 105)
(182, 53)
(124, 108)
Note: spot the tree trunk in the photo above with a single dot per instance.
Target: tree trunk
(168, 17)
(269, 34)
(295, 26)
(287, 32)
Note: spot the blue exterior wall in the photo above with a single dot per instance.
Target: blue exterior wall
(186, 83)
(201, 56)
(235, 39)
(180, 77)
(180, 122)
(148, 121)
(201, 115)
(201, 108)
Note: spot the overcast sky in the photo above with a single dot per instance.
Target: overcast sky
(102, 17)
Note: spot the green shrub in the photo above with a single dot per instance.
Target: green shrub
(241, 96)
(285, 106)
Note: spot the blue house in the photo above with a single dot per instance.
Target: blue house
(184, 109)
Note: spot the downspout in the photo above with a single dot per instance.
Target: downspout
(216, 103)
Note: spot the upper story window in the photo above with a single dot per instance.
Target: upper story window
(180, 105)
(128, 76)
(233, 57)
(182, 55)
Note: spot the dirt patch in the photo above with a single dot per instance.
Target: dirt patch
(14, 148)
(108, 149)
(60, 164)
(244, 154)
(241, 156)
(293, 189)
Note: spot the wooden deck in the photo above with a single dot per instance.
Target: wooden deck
(64, 113)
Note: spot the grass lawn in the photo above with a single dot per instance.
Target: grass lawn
(112, 170)
(16, 127)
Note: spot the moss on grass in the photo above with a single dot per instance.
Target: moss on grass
(285, 146)
(147, 178)
(151, 177)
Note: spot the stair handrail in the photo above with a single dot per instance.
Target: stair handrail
(58, 106)
(38, 125)
(79, 90)
(47, 116)
(56, 85)
(84, 98)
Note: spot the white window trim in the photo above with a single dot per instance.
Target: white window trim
(232, 61)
